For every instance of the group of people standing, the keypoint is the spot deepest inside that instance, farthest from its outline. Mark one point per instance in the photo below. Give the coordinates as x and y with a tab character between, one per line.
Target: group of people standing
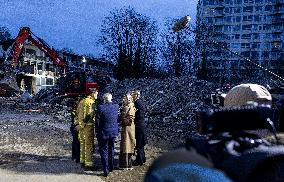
105	119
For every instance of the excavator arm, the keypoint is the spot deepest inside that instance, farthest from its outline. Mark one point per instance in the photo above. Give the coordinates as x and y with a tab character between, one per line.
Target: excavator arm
26	34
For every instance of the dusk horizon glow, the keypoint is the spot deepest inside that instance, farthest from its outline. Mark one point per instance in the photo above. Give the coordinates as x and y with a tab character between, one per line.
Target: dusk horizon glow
76	25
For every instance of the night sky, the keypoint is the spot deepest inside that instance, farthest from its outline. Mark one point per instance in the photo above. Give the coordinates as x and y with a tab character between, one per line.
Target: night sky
75	24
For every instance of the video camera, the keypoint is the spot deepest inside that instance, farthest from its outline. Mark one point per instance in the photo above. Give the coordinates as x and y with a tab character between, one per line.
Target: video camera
251	117
217	97
230	143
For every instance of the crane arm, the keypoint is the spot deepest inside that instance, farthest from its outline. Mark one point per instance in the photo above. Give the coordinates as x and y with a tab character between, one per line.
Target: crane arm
18	45
51	53
25	34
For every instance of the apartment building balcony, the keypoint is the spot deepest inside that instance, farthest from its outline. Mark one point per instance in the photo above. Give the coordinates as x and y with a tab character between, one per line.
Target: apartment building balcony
277	20
219	23
221	14
279	2
276	13
220	6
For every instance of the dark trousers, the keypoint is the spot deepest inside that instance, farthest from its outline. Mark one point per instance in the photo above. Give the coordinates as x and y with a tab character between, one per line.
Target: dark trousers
140	157
106	149
75	146
125	160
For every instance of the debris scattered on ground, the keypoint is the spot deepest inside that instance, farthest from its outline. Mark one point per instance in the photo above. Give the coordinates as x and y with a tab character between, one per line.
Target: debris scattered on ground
26	97
171	104
7	91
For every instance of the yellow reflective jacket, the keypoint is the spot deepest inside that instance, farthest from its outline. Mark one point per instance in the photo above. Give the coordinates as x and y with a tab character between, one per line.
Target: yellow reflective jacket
85	112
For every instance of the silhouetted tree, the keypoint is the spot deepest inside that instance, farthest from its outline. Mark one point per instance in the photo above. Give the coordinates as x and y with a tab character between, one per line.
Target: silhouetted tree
5	42
129	40
177	48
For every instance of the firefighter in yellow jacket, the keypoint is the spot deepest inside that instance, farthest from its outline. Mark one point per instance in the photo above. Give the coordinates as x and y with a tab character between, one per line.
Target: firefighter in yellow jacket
85	126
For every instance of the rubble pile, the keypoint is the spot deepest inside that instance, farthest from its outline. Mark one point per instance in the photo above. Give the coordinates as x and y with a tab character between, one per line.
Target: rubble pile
171	104
59	112
8	86
7	91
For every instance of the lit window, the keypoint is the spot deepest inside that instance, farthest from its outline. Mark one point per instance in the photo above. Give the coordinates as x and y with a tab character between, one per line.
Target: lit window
37	81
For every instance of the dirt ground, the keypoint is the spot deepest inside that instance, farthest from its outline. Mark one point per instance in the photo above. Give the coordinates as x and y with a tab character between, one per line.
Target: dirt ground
38	147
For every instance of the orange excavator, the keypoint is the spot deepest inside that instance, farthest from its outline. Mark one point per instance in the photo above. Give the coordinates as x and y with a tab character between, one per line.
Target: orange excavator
71	84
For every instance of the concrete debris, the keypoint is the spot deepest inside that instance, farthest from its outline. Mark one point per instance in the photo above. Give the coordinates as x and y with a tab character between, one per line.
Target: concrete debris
26	97
11	81
33	110
7	91
171	106
171	103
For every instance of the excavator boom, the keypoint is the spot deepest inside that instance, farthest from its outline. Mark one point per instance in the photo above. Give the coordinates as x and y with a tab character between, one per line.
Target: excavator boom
25	34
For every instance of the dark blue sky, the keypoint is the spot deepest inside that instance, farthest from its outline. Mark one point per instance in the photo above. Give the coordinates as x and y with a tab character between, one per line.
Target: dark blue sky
75	24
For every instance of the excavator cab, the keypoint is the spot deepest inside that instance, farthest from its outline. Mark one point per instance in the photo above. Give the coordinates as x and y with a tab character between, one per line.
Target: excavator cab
75	84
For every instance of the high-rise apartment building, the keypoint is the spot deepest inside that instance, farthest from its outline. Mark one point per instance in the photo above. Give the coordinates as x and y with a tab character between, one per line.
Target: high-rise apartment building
252	28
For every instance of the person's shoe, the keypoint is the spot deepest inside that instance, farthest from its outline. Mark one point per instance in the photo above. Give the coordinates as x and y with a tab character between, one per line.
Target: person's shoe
135	163
105	174
89	168
129	169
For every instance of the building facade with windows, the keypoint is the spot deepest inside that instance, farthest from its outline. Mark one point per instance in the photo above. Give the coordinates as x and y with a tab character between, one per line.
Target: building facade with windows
252	28
37	71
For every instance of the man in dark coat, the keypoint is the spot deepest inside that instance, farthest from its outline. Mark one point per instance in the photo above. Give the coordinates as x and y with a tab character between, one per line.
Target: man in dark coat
140	128
73	103
106	127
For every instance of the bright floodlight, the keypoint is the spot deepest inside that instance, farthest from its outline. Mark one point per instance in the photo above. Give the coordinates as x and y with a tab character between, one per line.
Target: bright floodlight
182	23
84	59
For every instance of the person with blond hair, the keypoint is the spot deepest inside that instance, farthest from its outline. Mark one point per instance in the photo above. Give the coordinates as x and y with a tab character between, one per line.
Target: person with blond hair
128	141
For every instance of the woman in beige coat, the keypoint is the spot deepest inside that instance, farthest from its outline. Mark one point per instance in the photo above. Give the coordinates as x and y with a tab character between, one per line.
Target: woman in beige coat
128	142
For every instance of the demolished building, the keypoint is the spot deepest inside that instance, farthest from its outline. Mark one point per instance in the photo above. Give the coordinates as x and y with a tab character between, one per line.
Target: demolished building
36	71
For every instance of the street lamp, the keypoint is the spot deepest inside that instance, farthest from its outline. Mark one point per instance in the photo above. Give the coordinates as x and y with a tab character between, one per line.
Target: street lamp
84	61
184	22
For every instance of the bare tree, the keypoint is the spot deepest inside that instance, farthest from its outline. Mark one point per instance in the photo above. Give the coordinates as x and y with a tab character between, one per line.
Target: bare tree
177	48
129	40
5	42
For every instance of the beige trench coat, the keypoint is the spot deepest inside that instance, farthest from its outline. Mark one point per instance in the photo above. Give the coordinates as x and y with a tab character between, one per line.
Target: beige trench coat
128	142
